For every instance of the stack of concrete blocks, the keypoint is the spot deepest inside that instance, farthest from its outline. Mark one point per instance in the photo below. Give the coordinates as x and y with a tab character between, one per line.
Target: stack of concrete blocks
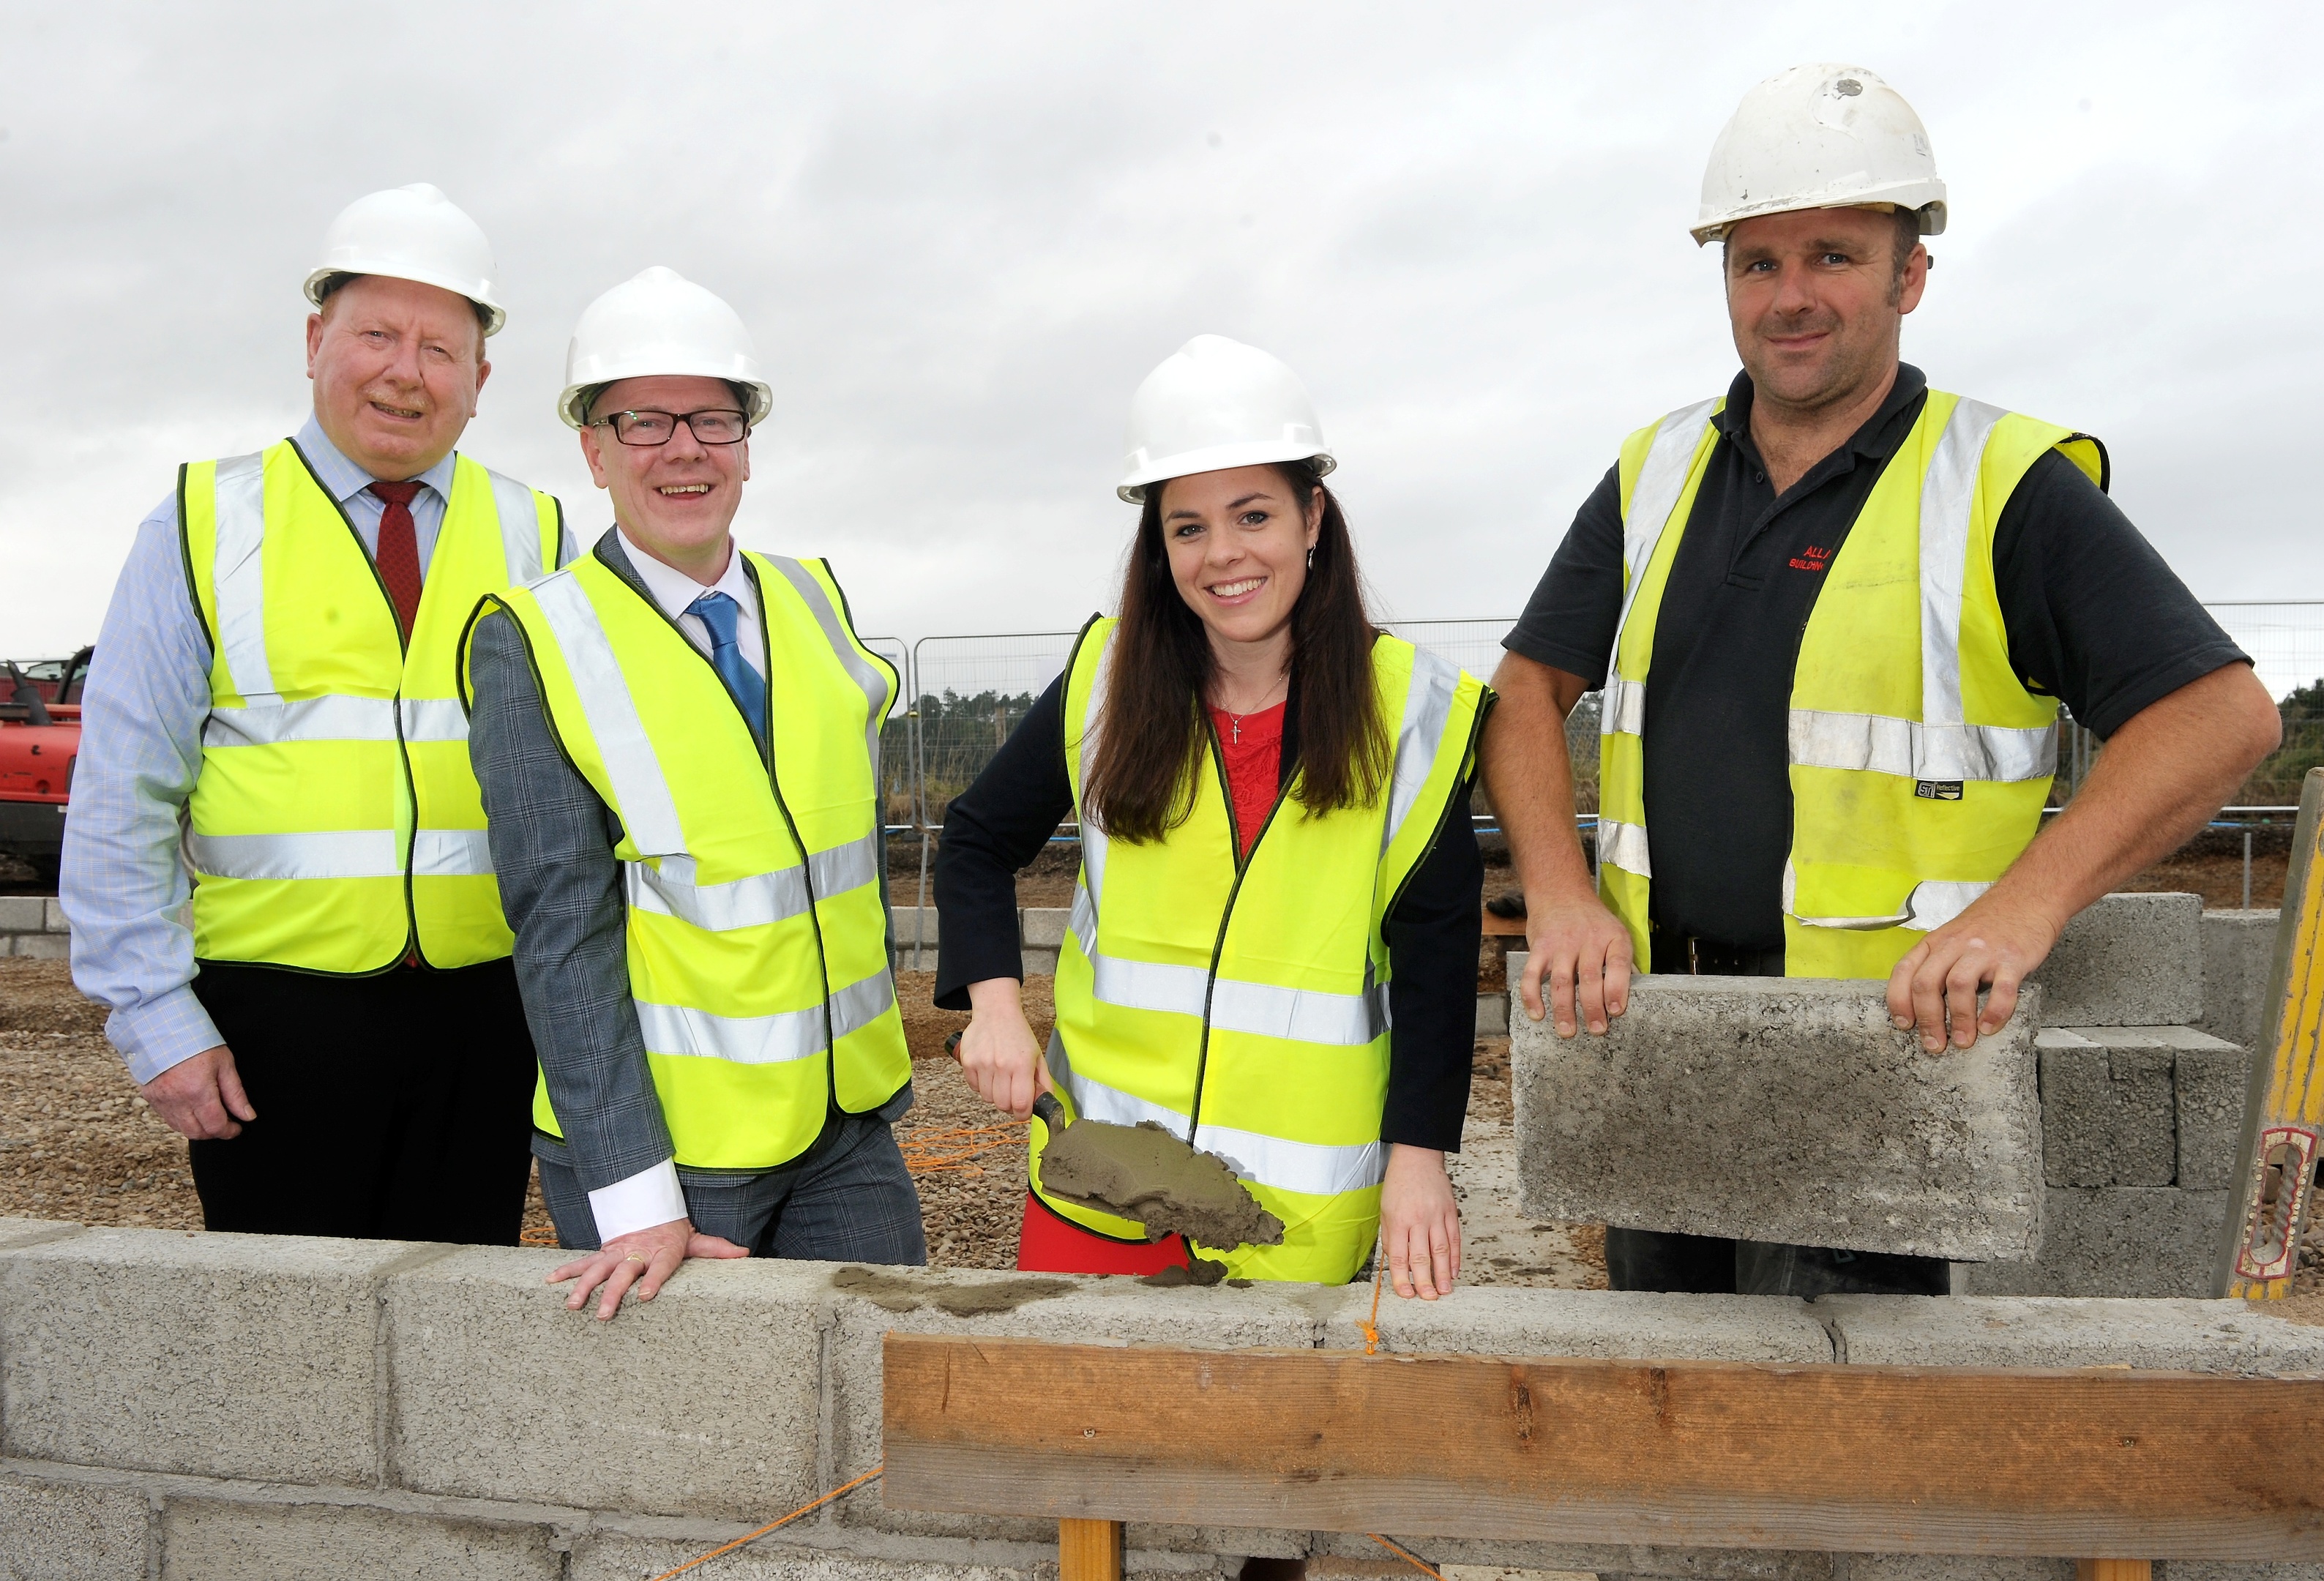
33	926
1040	933
196	1406
2141	1107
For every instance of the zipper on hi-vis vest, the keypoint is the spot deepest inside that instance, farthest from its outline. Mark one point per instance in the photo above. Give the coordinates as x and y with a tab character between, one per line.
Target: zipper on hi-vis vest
411	953
1218	945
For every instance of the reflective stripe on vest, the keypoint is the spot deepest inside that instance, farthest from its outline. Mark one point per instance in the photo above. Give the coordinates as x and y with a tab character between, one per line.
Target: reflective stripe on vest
1245	1001
756	928
1979	782
320	710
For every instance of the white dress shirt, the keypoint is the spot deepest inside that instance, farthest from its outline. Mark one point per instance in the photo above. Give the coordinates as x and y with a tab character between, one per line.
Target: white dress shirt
653	1196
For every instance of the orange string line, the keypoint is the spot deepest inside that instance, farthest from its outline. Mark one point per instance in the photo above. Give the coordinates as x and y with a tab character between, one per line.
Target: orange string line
1370	1325
803	1509
1409	1558
920	1157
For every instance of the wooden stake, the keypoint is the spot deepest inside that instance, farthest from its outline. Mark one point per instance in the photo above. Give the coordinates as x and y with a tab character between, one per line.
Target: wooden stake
2114	1570
1091	1550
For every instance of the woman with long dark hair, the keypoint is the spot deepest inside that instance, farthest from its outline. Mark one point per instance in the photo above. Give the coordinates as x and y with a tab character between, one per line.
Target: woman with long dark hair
1274	936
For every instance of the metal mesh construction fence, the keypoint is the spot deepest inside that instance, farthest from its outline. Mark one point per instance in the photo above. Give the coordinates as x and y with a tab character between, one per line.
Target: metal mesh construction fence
968	692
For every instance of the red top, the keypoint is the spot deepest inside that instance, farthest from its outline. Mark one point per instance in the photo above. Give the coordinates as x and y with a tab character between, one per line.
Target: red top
1253	746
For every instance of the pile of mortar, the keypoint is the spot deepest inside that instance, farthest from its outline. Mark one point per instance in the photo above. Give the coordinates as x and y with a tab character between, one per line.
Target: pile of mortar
1147	1174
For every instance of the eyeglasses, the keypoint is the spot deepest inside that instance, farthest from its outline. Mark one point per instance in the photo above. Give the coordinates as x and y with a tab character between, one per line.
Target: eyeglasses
720	427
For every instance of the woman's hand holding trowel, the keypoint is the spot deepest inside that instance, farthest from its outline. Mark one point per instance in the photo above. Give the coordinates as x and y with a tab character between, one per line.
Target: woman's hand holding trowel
999	1053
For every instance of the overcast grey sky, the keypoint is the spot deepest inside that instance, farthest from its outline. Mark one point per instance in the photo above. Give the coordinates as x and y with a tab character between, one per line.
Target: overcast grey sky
963	234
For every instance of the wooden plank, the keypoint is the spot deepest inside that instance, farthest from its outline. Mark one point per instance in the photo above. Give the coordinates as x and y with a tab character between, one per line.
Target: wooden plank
1707	1454
1504	927
2114	1570
2283	1108
1091	1550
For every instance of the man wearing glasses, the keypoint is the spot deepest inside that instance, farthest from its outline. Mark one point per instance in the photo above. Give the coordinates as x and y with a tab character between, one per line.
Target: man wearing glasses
678	744
335	1024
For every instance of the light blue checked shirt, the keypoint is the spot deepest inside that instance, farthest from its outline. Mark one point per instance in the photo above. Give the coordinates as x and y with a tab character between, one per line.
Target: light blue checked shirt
123	889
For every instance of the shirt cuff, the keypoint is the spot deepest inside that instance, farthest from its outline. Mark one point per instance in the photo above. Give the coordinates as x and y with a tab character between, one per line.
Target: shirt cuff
162	1033
647	1198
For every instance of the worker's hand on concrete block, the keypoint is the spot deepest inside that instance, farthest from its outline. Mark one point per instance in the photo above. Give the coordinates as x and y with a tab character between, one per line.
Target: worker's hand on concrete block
1420	1223
644	1258
1991	944
1578	959
999	1053
201	1097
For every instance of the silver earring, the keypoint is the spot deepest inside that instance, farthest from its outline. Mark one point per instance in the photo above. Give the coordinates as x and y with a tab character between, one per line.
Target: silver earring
1311	556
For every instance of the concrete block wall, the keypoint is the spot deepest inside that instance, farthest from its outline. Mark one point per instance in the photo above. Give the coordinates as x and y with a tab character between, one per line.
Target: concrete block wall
190	1405
33	926
1040	931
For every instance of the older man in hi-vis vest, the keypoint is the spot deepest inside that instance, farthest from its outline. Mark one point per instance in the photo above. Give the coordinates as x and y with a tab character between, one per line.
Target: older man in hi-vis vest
1833	615
679	748
338	1029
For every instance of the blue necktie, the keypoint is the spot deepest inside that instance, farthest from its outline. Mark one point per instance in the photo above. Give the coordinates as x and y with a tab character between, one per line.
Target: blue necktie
747	686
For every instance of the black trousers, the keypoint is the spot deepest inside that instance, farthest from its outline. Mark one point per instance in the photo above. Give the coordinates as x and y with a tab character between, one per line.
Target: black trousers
396	1107
1656	1259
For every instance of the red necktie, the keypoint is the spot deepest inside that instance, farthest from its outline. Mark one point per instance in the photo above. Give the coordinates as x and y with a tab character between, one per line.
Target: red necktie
399	550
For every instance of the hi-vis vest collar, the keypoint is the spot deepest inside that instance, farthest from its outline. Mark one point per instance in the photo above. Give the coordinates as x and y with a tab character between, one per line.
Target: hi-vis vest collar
2001	751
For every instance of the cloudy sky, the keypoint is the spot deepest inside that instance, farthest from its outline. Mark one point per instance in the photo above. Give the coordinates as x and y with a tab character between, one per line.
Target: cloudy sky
963	234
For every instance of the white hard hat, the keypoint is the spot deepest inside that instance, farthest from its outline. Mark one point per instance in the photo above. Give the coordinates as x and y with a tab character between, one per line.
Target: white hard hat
1216	403
659	322
1819	136
411	232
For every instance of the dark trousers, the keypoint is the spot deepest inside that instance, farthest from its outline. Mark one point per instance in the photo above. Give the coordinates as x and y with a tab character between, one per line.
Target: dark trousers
1656	1259
395	1107
849	1199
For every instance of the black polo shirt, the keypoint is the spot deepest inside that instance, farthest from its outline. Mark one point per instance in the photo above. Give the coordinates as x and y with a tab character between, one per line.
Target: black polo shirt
2095	618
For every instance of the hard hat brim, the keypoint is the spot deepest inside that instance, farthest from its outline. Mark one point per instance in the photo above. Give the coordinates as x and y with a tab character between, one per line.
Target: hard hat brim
1221	458
1925	199
495	316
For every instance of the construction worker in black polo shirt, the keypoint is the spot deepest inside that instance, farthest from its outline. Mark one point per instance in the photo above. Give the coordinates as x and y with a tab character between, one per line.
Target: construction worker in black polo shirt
1833	616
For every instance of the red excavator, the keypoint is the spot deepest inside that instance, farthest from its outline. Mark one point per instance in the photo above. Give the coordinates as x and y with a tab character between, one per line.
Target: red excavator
40	739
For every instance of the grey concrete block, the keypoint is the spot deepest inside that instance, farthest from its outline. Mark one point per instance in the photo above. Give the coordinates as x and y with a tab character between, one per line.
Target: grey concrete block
2210	1085
2129	960
1818	1122
2225	1570
1956	1567
1510	1320
215	1541
2107	1117
22	913
43	947
2238	957
924	917
16	1232
52	917
63	1529
2116	1241
1973	1331
703	1401
620	1557
210	1354
1492	1015
1118	1310
1040	963
1042	927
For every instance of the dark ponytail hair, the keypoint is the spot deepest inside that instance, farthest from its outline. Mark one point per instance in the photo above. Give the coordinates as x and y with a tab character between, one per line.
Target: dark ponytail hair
1150	746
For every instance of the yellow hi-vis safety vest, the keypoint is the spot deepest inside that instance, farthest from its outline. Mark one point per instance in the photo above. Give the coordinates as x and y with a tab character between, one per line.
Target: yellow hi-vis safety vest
1243	1004
1920	762
337	826
757	932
